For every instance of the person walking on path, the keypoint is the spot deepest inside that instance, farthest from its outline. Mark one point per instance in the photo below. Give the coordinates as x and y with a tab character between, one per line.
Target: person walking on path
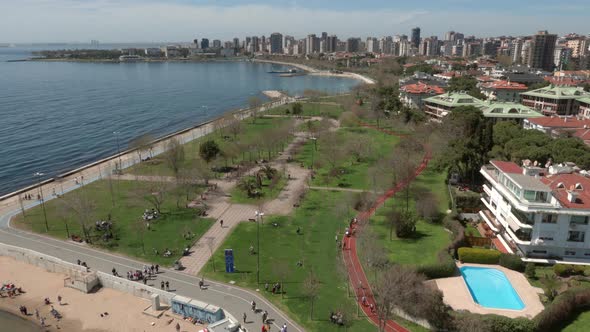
177	327
201	283
221	223
59	299
264	316
244	317
253	306
157	268
162	285
167	286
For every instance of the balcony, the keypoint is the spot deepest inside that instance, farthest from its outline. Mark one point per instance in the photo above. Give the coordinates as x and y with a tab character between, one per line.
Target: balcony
487	190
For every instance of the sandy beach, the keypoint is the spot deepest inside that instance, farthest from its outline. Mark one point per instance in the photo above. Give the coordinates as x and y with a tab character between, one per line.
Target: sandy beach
81	312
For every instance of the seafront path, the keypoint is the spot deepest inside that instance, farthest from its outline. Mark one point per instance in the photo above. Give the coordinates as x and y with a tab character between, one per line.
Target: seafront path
234	300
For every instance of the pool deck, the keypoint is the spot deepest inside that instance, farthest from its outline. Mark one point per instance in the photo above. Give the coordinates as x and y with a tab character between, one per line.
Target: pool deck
456	294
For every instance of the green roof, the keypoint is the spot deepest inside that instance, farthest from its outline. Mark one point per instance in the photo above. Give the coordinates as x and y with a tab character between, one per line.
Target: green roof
508	110
558	92
585	100
454	99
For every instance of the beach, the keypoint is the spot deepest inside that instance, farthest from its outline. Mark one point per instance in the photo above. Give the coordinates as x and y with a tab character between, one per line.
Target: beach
81	312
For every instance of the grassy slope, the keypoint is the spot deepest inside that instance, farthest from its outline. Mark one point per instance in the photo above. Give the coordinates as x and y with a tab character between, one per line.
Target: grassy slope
166	232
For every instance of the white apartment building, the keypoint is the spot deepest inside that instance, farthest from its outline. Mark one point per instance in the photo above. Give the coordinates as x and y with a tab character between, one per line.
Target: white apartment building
538	212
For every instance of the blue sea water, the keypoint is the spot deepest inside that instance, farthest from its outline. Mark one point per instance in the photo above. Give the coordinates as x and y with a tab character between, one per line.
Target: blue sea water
491	288
56	116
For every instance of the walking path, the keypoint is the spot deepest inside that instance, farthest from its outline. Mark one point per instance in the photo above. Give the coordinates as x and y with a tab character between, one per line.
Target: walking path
356	273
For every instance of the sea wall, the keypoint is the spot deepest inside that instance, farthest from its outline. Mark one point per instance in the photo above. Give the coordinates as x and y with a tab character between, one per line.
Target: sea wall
134	288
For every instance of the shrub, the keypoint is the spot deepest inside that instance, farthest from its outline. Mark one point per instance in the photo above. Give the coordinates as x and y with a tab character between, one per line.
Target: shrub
530	270
505	324
480	256
451	223
445	267
512	262
566	270
563	308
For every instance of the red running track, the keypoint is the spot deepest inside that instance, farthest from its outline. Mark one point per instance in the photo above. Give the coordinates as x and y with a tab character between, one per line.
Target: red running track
356	273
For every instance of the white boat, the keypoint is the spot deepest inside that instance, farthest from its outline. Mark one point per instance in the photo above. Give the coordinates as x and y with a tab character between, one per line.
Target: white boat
130	58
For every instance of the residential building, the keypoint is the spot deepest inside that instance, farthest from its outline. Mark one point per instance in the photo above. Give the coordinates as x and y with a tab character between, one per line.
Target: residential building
204	43
584	109
276	43
554	100
503	90
312	44
153	52
561	56
538	212
579	46
372	45
386	45
412	95
331	43
554	125
542	51
437	107
507	111
216	43
353	45
415	40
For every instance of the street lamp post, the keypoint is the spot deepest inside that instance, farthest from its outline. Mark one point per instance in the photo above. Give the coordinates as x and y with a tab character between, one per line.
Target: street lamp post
259	215
118	150
38	175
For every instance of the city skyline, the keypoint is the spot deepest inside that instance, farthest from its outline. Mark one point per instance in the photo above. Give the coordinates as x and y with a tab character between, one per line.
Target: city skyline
135	21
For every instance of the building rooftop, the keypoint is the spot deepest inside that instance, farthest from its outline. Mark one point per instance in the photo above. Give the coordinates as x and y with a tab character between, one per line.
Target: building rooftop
454	99
557	92
507	110
560	122
584	100
583	134
504	85
528	182
506	166
562	183
422	88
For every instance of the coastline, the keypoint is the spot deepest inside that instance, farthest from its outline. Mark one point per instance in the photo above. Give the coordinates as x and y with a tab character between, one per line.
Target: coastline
317	72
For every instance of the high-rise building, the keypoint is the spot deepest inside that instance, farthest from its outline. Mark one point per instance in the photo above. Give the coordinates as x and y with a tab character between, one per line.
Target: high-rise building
204	43
542	51
415	37
372	45
450	36
562	56
216	43
331	43
196	42
312	44
236	43
276	43
353	45
324	36
516	50
386	45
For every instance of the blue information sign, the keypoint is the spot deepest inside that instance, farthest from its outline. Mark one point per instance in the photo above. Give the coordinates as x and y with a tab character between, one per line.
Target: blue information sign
229	260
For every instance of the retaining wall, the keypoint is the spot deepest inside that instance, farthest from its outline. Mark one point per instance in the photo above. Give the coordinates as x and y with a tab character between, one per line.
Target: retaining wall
134	288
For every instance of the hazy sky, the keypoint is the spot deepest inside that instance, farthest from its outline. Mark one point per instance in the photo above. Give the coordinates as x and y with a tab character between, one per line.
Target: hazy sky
184	20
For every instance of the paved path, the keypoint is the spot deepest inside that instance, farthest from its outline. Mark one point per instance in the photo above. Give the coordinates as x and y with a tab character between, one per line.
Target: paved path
356	273
339	189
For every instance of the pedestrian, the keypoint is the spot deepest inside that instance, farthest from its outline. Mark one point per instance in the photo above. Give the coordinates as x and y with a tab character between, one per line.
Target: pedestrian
372	307
336	238
114	272
157	268
37	313
264	317
285	327
253	306
79	262
177	327
221	223
364	300
25	311
162	285
42	319
152	268
201	283
59	299
266	286
167	285
244	318
145	280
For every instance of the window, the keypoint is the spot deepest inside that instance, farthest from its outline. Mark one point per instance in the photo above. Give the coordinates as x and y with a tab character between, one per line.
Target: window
540	251
579	220
546	238
570	253
549	219
575	236
529	195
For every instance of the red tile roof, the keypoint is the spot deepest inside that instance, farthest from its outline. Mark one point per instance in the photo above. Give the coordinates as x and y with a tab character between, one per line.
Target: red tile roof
505	85
557	122
569	181
507	166
485	78
583	134
565	81
422	88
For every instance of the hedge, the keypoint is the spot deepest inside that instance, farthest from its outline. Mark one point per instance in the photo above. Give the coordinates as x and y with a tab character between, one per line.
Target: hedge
445	267
512	262
563	309
480	256
566	270
451	223
469	322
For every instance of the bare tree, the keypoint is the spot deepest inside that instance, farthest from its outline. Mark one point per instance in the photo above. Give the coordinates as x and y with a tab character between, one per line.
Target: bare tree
154	192
174	156
282	270
387	290
373	253
139	226
255	103
332	151
142	143
83	209
235	126
311	288
426	205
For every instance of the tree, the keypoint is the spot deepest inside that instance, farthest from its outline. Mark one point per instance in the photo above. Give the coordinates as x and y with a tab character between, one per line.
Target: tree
373	252
209	150
530	270
426	205
174	156
235	126
467	84
154	192
311	288
140	227
255	103
142	143
551	286
332	151
282	270
83	209
404	223
297	109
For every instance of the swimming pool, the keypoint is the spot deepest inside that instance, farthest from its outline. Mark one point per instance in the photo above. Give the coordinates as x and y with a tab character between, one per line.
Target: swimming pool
491	288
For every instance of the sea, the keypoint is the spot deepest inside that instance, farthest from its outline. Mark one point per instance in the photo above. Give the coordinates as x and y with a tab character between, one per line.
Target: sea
57	116
10	322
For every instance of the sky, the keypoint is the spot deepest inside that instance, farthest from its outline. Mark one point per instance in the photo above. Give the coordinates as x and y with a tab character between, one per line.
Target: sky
28	21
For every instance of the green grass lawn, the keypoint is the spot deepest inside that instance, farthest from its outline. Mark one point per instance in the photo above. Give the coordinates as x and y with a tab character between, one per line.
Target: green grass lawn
252	134
430	238
579	324
166	232
310	109
355	173
281	248
240	196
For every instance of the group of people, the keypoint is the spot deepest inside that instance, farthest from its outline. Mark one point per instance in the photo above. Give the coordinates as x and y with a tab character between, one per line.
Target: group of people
150	215
265	325
276	288
10	289
79	262
29	197
337	318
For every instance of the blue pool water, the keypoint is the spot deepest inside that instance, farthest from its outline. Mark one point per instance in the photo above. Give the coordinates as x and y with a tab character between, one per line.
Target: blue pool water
490	288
